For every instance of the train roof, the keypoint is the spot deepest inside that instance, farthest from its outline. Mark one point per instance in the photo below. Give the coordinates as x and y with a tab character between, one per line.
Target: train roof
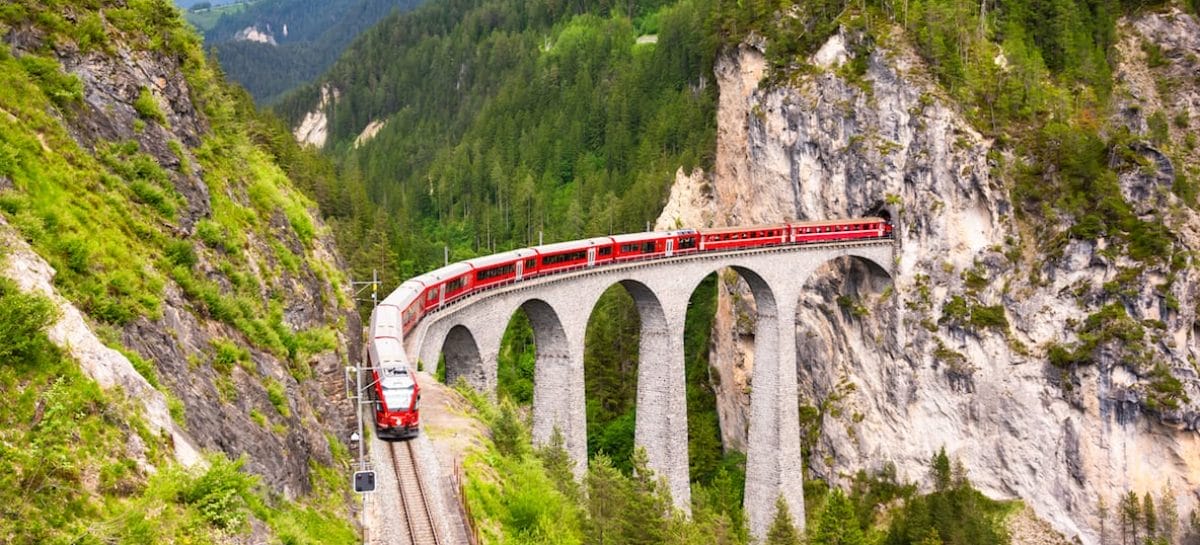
500	259
635	237
445	273
741	229
387	351
385	322
572	245
846	221
403	295
764	227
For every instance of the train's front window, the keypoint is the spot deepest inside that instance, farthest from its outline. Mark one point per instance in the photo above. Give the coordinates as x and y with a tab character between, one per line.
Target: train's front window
398	388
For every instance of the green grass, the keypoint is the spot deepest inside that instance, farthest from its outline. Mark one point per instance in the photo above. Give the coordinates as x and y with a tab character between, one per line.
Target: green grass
147	107
66	475
278	398
206	20
108	220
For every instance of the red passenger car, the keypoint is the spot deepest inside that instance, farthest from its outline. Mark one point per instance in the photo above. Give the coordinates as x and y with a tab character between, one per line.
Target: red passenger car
840	230
444	285
577	253
741	237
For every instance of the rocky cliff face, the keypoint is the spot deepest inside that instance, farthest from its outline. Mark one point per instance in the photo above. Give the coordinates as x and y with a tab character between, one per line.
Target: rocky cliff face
894	364
261	251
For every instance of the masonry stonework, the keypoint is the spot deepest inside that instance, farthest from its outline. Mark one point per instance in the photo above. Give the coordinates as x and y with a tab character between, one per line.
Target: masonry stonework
468	334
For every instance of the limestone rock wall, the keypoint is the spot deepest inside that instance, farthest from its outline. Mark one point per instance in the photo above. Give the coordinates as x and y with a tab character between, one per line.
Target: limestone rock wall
885	379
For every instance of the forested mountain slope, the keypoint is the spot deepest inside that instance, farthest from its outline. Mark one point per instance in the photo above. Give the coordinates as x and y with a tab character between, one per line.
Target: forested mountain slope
273	46
506	119
168	299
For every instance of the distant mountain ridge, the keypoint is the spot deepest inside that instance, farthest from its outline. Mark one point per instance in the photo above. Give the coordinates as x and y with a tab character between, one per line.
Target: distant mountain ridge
273	46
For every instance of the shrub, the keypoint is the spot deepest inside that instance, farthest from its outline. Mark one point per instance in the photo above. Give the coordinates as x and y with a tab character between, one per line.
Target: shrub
1157	124
1164	391
212	235
143	367
147	107
278	397
989	316
954	311
227	354
23	317
154	196
220	493
181	254
62	89
1062	357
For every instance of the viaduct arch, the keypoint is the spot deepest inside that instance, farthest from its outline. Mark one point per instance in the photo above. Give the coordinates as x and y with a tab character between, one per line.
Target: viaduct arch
468	333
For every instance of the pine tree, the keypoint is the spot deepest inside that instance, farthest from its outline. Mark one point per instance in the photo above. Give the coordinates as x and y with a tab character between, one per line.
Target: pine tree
932	538
1131	516
838	524
649	504
508	432
1168	517
942	477
607	501
782	532
1149	518
559	465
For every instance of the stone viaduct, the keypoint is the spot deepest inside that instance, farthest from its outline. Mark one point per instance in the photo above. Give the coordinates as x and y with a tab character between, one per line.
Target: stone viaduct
468	334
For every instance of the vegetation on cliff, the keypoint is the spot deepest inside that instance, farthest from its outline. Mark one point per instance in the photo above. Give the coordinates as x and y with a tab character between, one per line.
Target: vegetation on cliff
150	184
79	465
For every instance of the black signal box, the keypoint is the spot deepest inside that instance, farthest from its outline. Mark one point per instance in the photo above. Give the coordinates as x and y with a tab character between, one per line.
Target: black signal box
364	481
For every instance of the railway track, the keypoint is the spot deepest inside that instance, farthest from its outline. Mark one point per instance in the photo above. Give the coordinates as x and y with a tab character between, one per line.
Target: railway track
422	529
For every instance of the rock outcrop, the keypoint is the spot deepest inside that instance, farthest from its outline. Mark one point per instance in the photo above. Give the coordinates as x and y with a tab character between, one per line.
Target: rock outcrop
313	130
139	99
886	377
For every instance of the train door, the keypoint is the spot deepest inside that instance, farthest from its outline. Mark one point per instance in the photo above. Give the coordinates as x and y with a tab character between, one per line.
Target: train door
442	295
591	257
520	269
670	247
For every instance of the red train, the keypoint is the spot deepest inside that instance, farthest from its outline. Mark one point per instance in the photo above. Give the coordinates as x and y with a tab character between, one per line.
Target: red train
395	389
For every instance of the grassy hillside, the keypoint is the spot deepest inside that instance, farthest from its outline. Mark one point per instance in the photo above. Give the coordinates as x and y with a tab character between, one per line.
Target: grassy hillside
145	201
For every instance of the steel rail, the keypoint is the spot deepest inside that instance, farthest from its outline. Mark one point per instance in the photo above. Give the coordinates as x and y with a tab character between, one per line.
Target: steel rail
421	527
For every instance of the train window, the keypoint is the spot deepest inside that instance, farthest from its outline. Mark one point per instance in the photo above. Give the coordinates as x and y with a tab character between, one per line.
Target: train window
456	284
687	242
433	294
630	248
607	250
530	263
648	247
560	258
494	272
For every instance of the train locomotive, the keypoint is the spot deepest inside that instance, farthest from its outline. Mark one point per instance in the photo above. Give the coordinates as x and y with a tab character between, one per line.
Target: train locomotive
394	387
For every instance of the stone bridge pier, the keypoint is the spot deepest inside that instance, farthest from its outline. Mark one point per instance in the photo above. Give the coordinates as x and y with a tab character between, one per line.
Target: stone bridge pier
468	335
